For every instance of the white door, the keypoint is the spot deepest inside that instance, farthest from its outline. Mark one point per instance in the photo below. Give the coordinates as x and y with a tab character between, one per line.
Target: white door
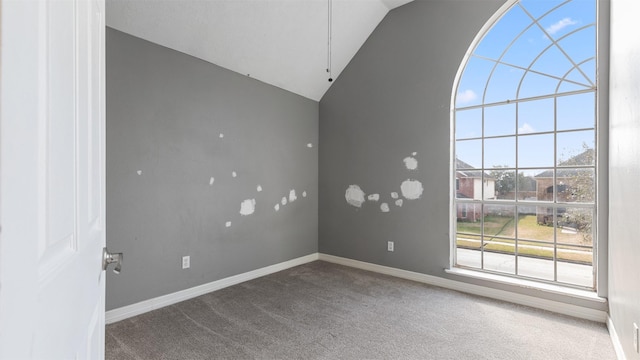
52	179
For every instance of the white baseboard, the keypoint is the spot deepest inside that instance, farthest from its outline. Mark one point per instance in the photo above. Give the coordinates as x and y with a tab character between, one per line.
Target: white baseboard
532	301
142	307
617	345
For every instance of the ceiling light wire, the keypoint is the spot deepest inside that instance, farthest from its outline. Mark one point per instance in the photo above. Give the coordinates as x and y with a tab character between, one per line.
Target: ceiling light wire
329	35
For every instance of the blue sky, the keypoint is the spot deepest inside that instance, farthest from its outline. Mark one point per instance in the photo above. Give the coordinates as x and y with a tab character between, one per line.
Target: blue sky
566	66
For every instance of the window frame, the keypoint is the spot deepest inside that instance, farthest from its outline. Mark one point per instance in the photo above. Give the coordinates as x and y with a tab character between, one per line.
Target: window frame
600	211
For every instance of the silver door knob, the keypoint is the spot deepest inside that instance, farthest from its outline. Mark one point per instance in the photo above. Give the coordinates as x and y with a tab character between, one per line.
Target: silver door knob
111	258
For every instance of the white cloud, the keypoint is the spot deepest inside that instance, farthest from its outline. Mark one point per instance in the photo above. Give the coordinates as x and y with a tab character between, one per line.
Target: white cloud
554	28
466	96
525	129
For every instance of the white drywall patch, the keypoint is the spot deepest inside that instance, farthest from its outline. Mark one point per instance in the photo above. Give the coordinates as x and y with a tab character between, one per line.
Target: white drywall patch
384	207
259	188
211	180
221	135
411	189
277	207
247	207
304	194
228	224
292	196
284	200
411	163
414	153
354	196
373	197
139	172
394	195
234	174
399	202
309	145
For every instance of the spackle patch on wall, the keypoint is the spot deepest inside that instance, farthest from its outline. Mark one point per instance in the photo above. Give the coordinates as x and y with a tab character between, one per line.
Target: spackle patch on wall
410	163
277	207
373	197
292	196
259	188
211	180
354	196
309	145
384	207
399	202
228	224
304	194
221	135
284	200
234	174
411	189
248	207
394	195
139	172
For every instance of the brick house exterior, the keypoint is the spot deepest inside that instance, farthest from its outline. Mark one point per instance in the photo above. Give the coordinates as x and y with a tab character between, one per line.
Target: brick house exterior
469	185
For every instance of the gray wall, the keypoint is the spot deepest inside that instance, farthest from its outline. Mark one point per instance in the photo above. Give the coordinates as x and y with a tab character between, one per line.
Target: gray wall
165	111
393	99
624	163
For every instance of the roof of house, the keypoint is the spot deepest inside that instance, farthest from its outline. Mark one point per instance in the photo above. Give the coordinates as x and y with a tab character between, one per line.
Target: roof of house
469	171
584	158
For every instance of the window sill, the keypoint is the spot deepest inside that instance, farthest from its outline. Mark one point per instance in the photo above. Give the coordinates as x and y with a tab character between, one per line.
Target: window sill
528	284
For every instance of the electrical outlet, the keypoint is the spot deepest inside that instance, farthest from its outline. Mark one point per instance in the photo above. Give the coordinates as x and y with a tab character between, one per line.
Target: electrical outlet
635	337
186	262
389	245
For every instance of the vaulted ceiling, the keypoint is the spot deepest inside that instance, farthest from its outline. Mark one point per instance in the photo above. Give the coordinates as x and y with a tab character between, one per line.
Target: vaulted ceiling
279	42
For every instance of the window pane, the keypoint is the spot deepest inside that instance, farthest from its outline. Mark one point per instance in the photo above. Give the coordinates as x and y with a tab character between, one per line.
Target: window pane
468	221
527	185
535	266
500	120
552	62
576	185
575	273
578	223
535	223
503	84
576	111
468	123
504	183
500	261
468	257
535	150
498	152
499	221
537	85
580	45
502	33
544	185
576	148
569	17
469	153
473	82
527	47
535	116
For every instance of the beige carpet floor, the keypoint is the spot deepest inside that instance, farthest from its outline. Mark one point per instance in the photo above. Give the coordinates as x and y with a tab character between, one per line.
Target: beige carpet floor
327	311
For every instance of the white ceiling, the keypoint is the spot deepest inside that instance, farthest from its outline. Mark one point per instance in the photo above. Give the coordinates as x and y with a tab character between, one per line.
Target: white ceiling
279	42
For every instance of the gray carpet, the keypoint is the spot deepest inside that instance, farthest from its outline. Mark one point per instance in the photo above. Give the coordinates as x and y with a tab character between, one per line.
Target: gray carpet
327	311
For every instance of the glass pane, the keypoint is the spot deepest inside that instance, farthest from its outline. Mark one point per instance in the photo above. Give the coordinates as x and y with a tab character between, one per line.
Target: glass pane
500	120
503	84
535	150
468	257
577	225
499	152
535	116
468	123
576	111
531	43
569	17
502	33
499	221
535	223
576	185
553	62
504	183
544	185
527	185
576	273
576	148
578	77
500	261
580	45
469	154
538	8
473	82
468	221
533	265
537	85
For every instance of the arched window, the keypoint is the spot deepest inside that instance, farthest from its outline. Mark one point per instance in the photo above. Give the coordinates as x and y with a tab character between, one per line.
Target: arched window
524	120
